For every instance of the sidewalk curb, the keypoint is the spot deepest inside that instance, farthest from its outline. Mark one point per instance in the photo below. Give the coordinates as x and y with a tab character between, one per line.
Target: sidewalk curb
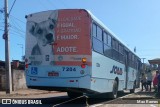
136	98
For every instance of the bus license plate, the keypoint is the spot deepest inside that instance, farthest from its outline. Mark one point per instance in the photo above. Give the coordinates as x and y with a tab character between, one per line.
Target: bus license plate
53	74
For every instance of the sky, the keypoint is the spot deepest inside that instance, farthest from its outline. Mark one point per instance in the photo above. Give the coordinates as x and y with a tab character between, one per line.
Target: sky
135	22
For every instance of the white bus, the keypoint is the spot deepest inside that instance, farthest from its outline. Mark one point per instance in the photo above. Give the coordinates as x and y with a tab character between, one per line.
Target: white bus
71	50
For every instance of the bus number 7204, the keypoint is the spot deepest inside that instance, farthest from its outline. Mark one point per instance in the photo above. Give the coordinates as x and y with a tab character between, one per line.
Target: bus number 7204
68	69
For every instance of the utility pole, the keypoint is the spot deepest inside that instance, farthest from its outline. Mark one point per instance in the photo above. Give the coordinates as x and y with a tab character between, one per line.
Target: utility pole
7	50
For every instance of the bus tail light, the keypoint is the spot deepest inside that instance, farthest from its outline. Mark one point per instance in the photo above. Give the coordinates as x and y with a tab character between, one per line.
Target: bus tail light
83	66
84	60
26	65
71	80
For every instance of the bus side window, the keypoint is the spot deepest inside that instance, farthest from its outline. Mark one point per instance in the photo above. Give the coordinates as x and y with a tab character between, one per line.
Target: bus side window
99	33
135	62
105	38
109	42
94	30
97	39
121	53
107	45
130	59
115	49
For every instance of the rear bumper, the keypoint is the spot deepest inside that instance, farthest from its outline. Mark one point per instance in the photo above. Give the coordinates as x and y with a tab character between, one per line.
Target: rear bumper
59	84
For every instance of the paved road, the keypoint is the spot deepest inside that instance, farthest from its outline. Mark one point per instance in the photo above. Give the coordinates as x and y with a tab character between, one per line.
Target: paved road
57	99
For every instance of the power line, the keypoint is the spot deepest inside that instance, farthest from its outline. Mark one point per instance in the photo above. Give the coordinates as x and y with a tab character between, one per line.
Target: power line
18	19
11	7
13	27
19	28
15	33
15	30
1	30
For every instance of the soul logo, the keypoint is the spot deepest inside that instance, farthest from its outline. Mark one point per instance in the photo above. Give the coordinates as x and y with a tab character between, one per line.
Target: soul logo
116	70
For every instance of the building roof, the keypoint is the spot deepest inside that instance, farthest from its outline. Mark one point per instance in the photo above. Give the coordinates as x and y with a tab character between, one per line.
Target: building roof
154	61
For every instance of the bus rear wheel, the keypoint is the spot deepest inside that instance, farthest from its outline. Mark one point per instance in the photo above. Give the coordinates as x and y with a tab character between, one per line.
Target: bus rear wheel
114	90
74	94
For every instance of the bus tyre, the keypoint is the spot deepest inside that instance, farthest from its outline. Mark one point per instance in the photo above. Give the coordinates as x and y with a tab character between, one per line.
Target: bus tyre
114	90
134	87
74	94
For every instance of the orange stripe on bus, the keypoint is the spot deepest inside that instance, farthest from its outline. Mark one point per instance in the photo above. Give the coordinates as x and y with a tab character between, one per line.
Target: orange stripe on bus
71	63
